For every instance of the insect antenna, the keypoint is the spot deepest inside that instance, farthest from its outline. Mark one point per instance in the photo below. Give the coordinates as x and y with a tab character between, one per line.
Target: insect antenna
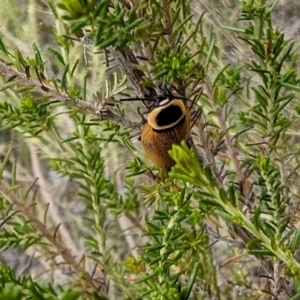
145	101
135	99
175	97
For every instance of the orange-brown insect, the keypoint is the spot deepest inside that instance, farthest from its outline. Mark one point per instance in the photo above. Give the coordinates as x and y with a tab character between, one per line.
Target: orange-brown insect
168	123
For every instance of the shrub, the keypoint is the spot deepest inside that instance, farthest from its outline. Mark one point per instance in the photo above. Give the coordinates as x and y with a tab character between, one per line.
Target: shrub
87	211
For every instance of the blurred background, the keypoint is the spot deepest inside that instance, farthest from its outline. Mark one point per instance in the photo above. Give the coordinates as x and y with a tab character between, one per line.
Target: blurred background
25	22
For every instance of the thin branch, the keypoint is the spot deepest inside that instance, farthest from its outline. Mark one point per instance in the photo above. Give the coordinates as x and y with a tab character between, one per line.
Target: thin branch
50	202
230	147
101	111
128	63
40	227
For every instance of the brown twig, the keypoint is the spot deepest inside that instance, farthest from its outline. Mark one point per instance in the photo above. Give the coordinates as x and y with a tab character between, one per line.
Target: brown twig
128	63
41	228
101	111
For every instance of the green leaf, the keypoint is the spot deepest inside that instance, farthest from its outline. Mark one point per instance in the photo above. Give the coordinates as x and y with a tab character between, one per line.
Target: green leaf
296	297
295	241
71	295
3	48
209	54
261	252
57	55
186	291
64	76
224	215
38	57
187	166
4	163
8	85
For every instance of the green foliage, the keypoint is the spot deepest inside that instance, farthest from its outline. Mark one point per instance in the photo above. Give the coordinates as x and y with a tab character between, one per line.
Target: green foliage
173	63
35	118
172	245
102	222
13	287
125	25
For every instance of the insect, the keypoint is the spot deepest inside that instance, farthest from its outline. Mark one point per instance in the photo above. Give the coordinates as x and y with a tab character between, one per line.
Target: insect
168	123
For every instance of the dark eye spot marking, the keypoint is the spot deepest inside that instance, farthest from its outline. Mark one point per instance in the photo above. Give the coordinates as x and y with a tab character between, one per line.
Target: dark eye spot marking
169	115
